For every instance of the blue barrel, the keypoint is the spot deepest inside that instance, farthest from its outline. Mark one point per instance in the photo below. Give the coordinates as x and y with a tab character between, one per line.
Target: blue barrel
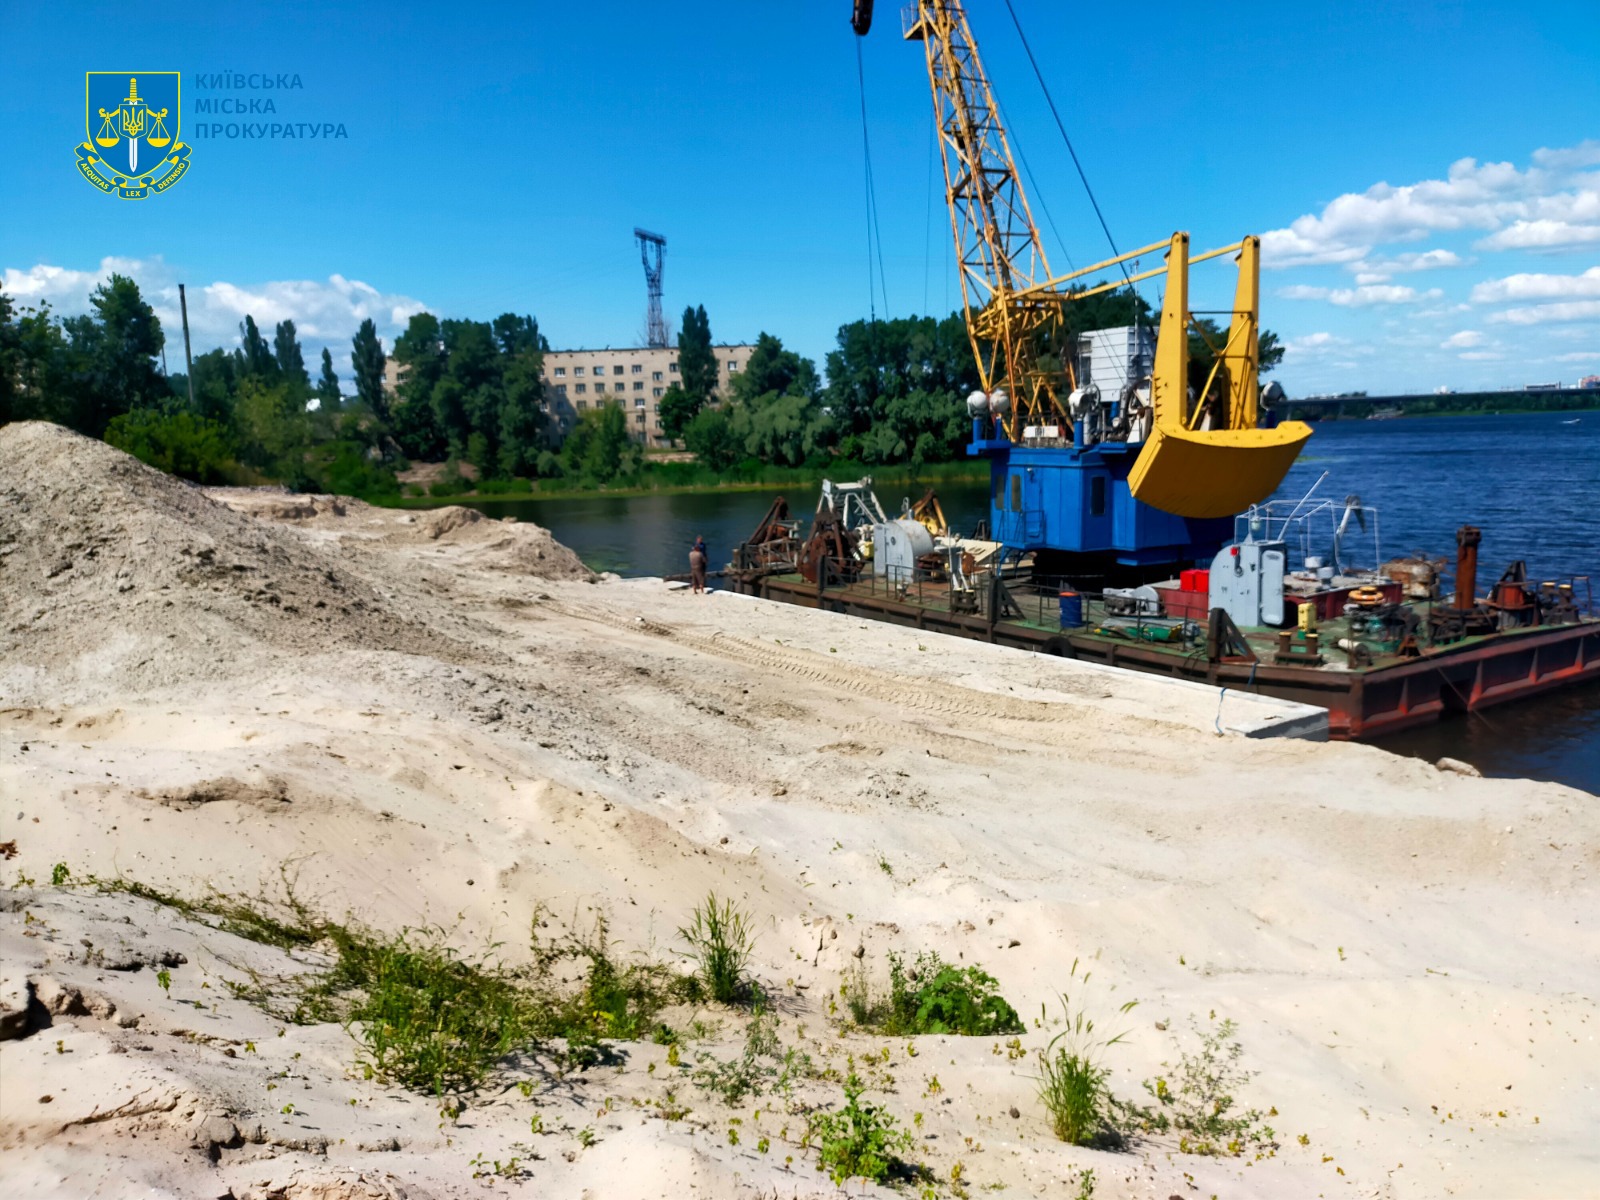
1071	610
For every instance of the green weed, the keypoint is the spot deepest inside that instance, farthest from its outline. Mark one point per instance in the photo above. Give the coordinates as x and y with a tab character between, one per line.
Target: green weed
859	1140
764	1065
721	940
1198	1100
59	875
929	996
1072	1081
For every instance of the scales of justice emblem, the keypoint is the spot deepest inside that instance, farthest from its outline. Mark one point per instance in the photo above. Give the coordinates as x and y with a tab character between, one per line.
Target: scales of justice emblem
132	120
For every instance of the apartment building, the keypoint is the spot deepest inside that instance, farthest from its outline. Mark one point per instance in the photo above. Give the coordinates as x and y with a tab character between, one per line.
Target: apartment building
636	377
579	381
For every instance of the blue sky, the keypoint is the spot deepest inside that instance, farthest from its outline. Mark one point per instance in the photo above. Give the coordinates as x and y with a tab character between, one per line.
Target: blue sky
1426	175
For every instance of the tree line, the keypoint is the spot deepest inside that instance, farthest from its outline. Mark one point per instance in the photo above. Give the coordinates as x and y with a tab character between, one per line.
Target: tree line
471	394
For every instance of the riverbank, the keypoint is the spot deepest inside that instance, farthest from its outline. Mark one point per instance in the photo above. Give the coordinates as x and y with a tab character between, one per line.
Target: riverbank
767	480
423	727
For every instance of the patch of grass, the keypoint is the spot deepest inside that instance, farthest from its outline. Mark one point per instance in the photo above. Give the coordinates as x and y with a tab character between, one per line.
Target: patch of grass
1072	1080
859	1141
1198	1100
429	1018
763	1065
721	940
929	995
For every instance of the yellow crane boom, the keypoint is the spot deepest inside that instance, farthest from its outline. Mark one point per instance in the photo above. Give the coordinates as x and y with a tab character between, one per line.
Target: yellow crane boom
1205	454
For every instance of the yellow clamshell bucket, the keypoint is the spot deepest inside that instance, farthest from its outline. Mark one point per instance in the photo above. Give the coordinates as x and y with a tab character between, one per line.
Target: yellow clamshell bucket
1207	458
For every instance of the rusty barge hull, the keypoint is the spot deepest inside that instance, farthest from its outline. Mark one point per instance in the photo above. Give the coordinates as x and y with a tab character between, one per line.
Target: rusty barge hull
1466	676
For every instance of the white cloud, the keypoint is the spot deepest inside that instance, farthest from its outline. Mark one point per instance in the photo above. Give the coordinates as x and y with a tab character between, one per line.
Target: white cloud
1482	355
1311	342
1359	297
1540	314
325	312
1464	340
1584	154
1543	234
1578	356
1472	196
1538	287
1382	269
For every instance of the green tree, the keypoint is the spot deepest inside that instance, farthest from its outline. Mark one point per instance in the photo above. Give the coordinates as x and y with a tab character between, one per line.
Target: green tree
10	359
47	374
255	355
711	438
419	351
178	443
895	386
290	360
598	450
523	432
273	428
771	368
216	385
368	362
676	409
119	344
779	428
328	396
697	363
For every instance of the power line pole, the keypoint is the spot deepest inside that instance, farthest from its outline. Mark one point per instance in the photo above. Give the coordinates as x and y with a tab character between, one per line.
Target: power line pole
188	361
652	250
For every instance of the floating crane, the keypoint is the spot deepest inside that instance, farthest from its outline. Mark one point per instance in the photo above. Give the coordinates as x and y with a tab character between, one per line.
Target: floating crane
1146	477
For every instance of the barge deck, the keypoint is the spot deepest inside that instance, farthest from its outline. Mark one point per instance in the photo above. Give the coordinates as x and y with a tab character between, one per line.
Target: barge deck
1389	693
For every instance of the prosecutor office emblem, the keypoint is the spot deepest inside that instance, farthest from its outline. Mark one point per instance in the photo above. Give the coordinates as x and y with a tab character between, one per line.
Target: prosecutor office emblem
131	118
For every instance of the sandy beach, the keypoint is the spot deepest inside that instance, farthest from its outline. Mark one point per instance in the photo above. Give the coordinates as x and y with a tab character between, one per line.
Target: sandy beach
432	719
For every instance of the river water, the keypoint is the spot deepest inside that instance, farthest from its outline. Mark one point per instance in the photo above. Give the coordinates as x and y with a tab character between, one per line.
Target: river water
1530	481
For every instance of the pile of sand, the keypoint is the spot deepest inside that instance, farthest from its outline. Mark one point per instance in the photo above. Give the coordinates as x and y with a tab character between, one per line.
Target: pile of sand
116	571
516	547
1410	955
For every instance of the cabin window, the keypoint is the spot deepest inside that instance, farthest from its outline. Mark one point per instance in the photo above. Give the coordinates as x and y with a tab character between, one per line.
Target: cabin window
1097	496
1016	493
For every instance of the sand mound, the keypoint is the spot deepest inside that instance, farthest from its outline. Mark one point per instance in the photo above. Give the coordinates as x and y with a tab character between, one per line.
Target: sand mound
115	565
472	539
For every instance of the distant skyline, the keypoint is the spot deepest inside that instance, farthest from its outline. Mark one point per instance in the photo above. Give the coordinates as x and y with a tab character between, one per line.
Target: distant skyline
1426	177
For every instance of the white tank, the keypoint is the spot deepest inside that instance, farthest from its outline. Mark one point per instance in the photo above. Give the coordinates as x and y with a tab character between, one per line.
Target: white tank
977	405
896	546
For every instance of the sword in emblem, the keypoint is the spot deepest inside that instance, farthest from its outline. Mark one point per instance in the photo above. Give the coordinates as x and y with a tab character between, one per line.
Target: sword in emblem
132	125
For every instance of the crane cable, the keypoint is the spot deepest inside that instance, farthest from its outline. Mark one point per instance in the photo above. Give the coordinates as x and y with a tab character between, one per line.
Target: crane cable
1054	112
874	233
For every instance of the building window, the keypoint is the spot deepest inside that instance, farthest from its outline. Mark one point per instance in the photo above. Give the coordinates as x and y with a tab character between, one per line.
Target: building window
599	387
638	369
600	370
655	376
617	369
656	392
561	372
733	366
582	404
640	418
673	366
581	388
578	371
638	385
561	390
638	401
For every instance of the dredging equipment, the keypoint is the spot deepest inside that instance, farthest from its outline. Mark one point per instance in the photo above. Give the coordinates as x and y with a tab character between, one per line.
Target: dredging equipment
1139	467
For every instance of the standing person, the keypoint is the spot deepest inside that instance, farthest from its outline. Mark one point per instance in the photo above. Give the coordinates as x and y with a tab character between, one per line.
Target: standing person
697	565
